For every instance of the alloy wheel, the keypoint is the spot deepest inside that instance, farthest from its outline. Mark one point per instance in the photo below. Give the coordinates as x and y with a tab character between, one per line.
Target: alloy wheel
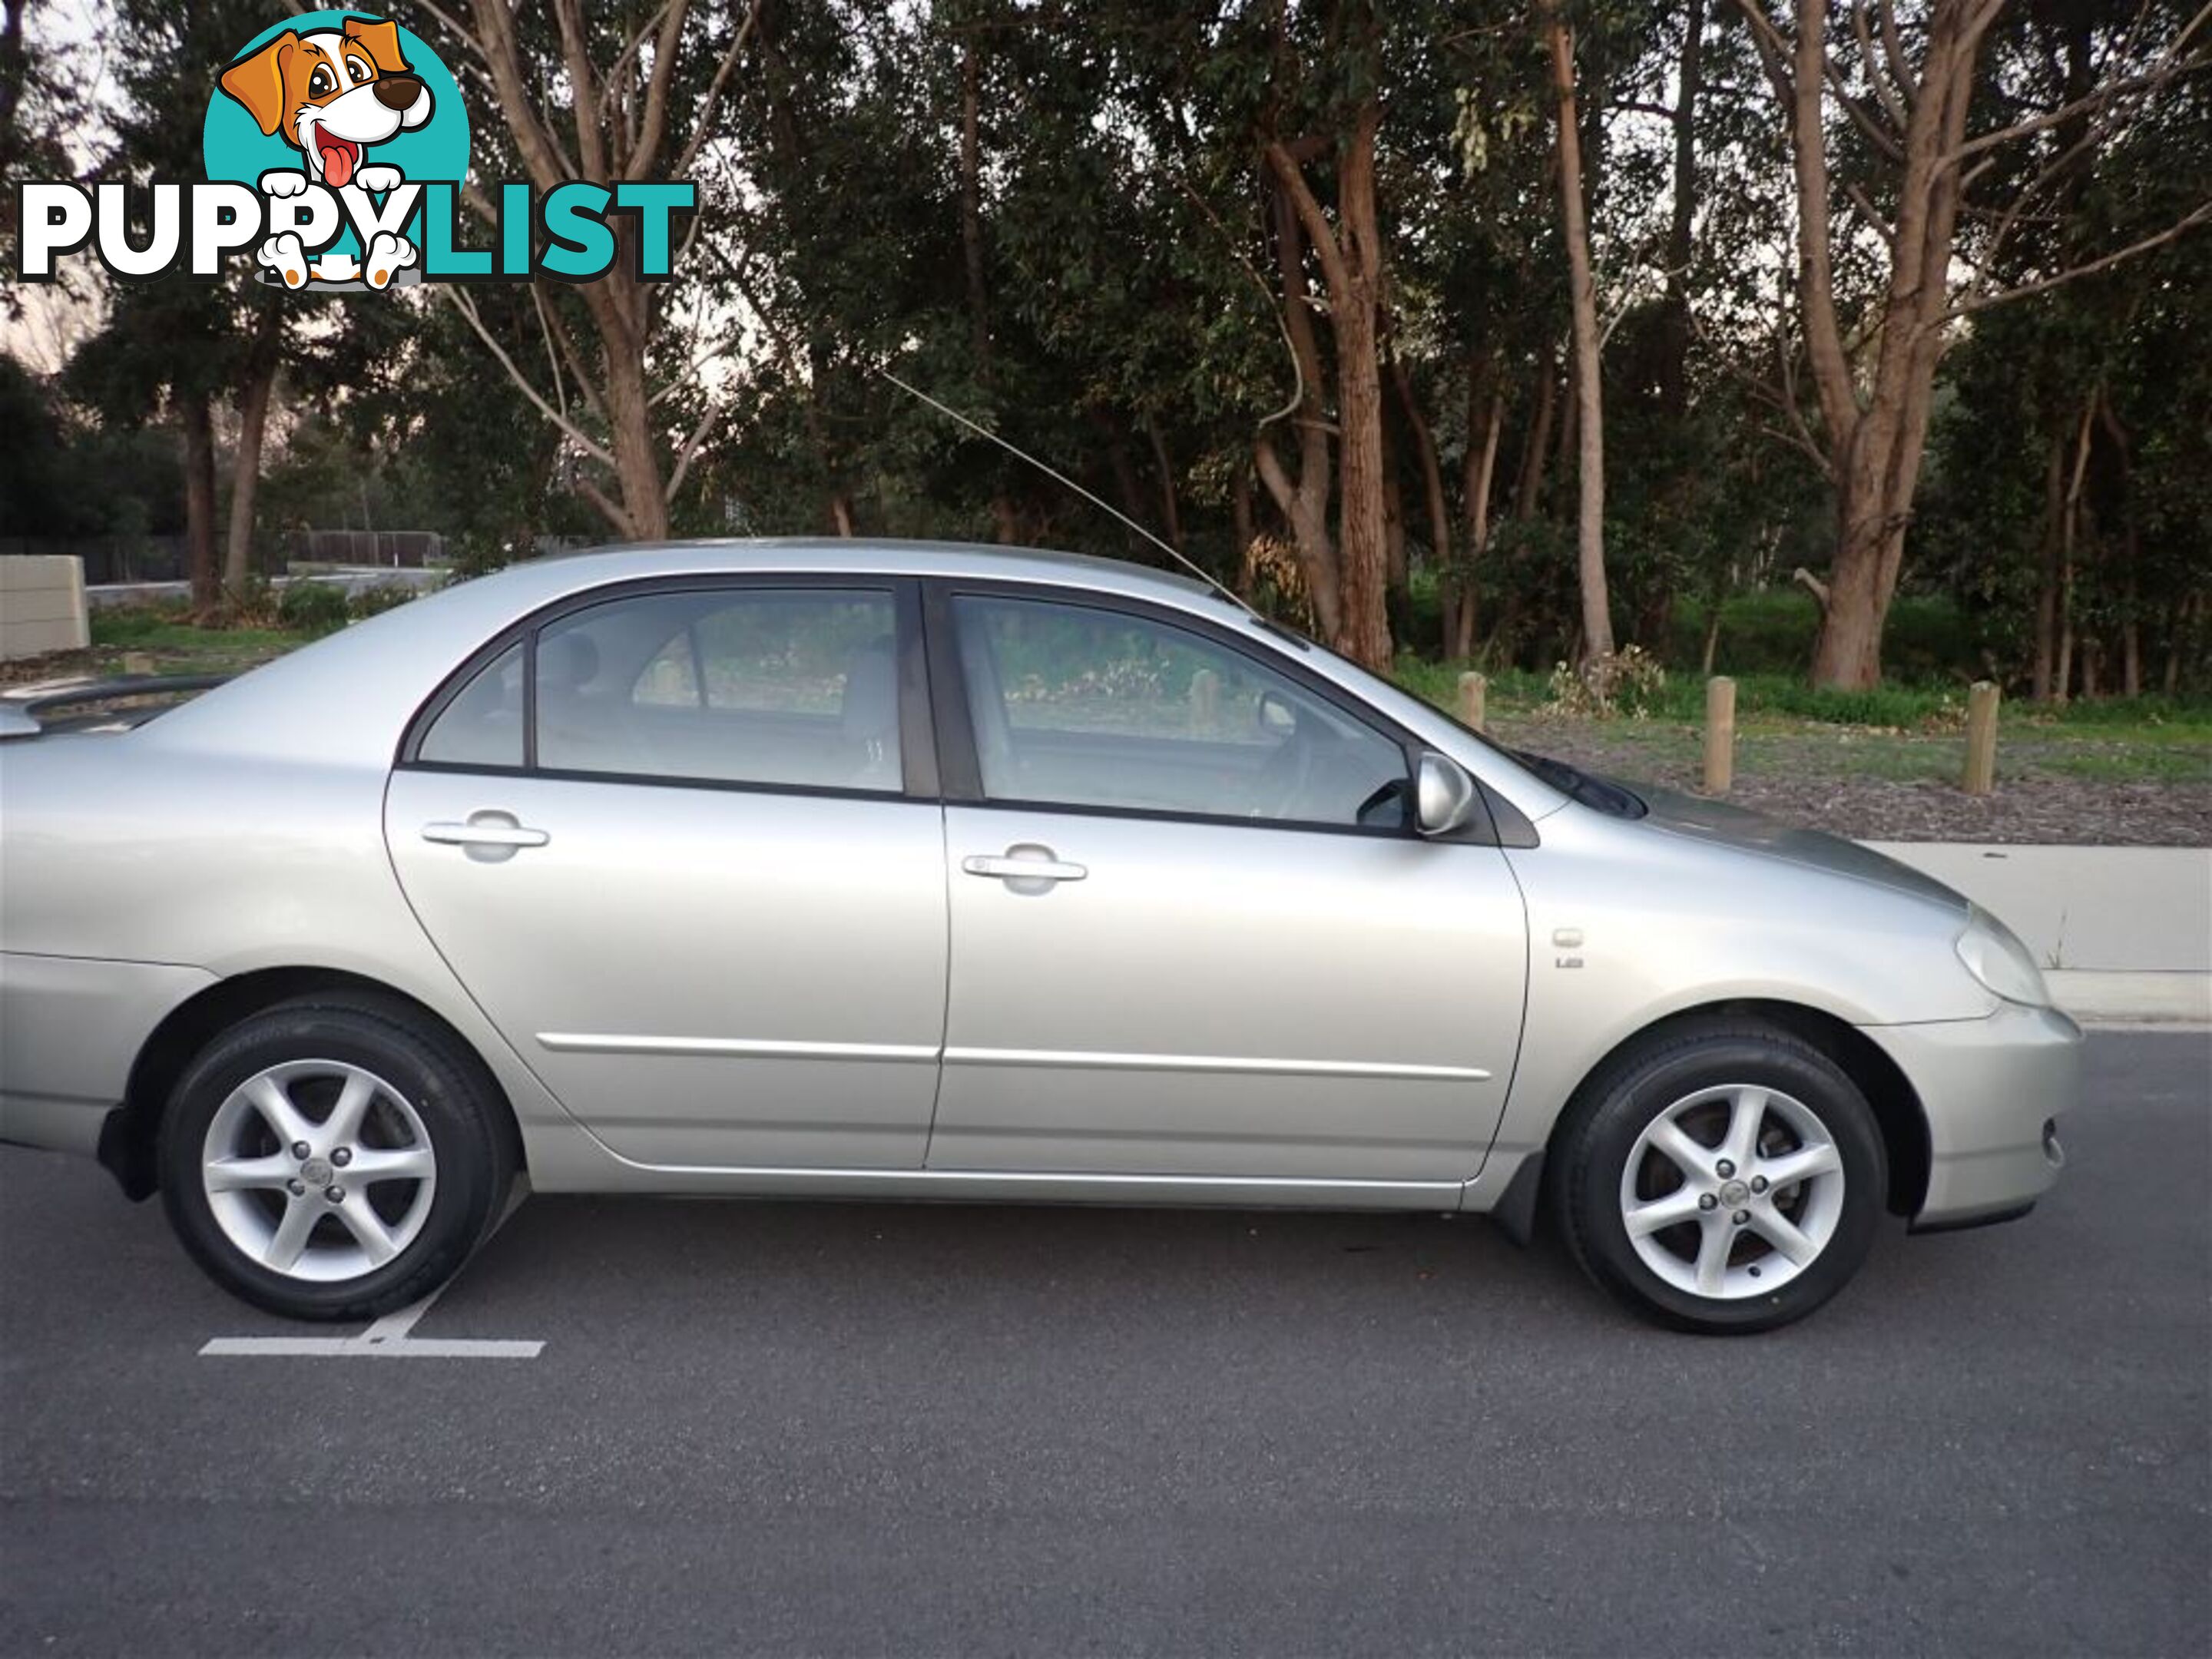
318	1169
1732	1192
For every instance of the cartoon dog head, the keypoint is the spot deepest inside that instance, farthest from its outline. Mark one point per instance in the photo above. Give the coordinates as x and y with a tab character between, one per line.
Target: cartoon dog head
331	93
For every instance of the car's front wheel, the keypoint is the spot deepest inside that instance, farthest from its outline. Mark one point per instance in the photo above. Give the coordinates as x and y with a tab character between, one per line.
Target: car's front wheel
1725	1178
330	1159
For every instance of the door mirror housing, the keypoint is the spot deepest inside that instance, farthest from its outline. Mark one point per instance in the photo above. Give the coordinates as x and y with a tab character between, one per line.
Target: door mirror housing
1445	795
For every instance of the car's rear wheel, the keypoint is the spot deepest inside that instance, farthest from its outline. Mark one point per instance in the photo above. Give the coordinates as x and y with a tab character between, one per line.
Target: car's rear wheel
331	1159
1723	1178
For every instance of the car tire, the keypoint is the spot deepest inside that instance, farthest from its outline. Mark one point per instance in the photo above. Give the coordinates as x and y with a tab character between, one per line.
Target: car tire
334	1157
1659	1214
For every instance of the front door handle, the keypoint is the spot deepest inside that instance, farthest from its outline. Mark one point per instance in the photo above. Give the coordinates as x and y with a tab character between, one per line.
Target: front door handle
487	835
1026	861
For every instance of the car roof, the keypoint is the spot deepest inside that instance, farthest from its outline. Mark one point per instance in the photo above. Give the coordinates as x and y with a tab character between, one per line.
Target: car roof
870	555
344	700
379	670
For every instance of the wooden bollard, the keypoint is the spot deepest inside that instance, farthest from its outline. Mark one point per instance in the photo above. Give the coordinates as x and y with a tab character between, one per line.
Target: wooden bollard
1205	701
1981	738
1473	691
1720	734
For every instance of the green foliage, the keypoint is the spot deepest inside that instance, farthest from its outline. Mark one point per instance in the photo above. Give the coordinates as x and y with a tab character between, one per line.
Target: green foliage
314	608
1111	302
1930	637
377	598
1629	680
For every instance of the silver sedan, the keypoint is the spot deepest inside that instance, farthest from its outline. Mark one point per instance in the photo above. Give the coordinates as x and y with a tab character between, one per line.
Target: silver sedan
887	871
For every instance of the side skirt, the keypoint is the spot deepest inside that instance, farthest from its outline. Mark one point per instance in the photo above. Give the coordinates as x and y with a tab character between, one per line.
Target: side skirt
996	1186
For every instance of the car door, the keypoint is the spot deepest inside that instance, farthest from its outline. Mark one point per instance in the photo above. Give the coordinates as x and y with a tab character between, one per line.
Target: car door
684	846
1193	934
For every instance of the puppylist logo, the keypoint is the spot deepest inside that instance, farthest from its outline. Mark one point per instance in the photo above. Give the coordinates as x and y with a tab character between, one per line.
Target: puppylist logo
336	145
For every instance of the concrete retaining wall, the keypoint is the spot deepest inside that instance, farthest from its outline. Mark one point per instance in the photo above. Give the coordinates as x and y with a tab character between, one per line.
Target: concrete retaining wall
41	606
2136	909
2124	934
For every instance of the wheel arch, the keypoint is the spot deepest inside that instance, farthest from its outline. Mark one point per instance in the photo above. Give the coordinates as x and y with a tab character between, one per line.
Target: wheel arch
129	1137
1898	1108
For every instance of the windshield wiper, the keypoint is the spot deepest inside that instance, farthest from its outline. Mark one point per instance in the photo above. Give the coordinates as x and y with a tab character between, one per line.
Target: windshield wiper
1601	794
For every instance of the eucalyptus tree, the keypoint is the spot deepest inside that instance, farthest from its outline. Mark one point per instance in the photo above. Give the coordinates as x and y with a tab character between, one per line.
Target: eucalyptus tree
604	94
1904	124
2074	454
175	344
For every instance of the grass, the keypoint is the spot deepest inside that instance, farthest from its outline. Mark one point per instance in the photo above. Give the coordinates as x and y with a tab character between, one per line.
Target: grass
1902	732
176	647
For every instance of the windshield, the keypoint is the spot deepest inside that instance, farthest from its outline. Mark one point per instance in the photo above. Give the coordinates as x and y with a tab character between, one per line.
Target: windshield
1601	794
1391	699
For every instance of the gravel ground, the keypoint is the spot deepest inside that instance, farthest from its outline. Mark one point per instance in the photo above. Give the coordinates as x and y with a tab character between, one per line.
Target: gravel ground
1808	779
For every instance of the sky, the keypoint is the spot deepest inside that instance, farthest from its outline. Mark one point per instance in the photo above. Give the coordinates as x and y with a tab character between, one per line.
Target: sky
55	316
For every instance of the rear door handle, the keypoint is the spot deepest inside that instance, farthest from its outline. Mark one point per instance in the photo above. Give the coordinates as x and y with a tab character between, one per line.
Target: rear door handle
1040	865
494	833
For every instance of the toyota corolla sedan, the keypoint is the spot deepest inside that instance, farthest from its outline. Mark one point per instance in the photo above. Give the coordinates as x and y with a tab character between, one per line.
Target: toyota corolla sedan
889	870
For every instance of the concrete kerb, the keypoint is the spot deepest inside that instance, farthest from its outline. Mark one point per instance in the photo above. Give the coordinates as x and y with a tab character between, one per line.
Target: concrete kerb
2124	934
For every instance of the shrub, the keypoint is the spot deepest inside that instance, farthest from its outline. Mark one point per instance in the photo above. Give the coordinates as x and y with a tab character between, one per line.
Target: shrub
312	608
252	604
380	598
1630	681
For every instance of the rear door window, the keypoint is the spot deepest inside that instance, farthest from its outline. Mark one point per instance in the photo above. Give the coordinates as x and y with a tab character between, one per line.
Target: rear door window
761	686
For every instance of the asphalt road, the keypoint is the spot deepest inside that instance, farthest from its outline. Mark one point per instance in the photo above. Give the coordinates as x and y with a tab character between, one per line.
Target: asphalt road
863	1429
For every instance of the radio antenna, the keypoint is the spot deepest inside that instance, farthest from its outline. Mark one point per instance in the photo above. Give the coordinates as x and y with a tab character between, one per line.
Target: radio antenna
982	431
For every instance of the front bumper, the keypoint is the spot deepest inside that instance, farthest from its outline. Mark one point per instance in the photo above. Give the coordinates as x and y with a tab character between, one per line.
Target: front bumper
1992	1090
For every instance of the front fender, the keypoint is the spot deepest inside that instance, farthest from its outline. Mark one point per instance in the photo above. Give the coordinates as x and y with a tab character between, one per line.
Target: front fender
1630	926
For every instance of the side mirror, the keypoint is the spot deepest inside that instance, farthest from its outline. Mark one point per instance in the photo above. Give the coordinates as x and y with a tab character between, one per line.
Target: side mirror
1444	796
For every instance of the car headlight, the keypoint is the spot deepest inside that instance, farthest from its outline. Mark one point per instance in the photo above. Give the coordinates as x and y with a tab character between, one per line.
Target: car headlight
2000	963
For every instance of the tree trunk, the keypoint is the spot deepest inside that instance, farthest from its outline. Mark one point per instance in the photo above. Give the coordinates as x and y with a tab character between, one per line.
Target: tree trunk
2069	522
1170	516
1674	352
1240	509
2130	548
2046	596
1480	468
1432	500
2131	628
1393	519
644	515
1433	477
1876	426
1529	488
261	360
11	83
600	148
1365	628
1589	526
1125	478
199	501
1302	501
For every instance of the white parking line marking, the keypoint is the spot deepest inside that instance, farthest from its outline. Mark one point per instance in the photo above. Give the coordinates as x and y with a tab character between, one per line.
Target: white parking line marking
388	1338
355	1347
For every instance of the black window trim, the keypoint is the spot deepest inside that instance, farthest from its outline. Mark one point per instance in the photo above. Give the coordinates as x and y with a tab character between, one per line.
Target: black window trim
961	771
918	743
